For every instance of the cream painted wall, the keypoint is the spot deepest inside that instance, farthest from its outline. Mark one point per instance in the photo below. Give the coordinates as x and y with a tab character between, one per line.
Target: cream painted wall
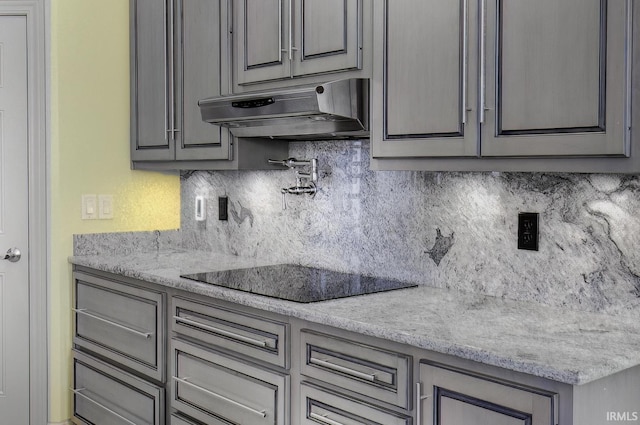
90	154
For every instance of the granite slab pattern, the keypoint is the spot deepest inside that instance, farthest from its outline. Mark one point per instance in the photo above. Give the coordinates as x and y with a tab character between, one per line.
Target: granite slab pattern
572	347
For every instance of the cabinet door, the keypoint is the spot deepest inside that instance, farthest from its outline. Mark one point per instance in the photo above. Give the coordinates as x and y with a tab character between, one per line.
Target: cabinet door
556	78
197	76
261	40
453	397
328	36
424	92
151	88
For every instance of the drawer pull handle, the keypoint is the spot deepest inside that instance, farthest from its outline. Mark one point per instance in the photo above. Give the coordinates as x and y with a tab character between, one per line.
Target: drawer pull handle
323	419
102	406
338	368
252	341
261	413
84	312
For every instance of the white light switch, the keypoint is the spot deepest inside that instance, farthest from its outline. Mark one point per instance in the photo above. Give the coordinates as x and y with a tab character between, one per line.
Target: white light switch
89	207
105	204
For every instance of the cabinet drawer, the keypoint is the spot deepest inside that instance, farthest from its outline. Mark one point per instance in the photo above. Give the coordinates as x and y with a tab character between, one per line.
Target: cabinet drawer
103	394
216	389
245	334
121	322
323	407
451	395
367	370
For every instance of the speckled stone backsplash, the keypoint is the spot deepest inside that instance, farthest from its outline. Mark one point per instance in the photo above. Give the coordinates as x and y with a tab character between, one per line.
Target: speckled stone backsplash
453	230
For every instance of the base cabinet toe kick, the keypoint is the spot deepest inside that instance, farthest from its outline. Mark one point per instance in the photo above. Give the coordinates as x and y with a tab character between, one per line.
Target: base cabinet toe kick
145	354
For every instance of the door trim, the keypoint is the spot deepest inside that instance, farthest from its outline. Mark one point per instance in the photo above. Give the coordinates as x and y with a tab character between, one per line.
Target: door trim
37	14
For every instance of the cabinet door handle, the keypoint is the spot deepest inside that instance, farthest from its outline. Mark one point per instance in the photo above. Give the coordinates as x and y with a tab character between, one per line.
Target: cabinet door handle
323	419
367	376
167	128
483	60
233	335
102	406
291	46
84	312
261	413
465	53
419	398
280	42
172	71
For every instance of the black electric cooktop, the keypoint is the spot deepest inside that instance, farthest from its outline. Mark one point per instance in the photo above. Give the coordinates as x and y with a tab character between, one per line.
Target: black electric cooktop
297	283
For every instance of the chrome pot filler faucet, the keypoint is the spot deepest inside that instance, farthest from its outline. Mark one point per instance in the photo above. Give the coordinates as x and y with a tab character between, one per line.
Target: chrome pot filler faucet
306	177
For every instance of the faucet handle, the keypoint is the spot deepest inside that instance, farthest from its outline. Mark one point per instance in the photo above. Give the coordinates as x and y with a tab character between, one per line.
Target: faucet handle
283	162
290	162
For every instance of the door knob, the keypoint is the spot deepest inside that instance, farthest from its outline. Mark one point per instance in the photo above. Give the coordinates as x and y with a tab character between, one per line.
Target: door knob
13	255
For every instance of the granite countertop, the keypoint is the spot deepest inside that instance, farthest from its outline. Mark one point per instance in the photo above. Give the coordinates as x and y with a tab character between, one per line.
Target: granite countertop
563	345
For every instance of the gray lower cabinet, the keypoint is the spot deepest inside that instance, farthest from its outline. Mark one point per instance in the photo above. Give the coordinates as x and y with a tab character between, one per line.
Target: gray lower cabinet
231	364
103	394
217	389
280	39
453	397
497	79
325	407
121	322
367	370
243	333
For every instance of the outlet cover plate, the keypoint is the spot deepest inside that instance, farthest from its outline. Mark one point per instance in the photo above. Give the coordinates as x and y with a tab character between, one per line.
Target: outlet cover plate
528	231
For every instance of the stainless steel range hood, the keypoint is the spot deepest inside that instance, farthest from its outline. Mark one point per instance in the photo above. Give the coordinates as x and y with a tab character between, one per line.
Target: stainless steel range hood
337	109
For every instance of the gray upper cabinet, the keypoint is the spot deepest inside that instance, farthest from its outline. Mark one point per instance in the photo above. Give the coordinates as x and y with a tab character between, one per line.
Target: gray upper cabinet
555	84
175	61
280	39
424	94
497	78
150	86
259	43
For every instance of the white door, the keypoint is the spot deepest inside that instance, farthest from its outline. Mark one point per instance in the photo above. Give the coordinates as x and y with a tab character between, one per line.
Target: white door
14	276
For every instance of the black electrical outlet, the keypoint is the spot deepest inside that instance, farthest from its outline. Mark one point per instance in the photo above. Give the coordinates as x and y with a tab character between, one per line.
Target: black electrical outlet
528	231
223	203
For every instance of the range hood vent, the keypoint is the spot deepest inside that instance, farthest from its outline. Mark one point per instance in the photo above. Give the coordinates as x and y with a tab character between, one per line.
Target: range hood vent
333	110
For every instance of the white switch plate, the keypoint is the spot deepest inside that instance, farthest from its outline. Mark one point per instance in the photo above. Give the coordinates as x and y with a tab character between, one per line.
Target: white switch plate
105	207
89	207
201	213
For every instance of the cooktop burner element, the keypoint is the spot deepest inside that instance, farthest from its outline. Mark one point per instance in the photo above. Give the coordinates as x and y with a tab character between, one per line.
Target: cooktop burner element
297	283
